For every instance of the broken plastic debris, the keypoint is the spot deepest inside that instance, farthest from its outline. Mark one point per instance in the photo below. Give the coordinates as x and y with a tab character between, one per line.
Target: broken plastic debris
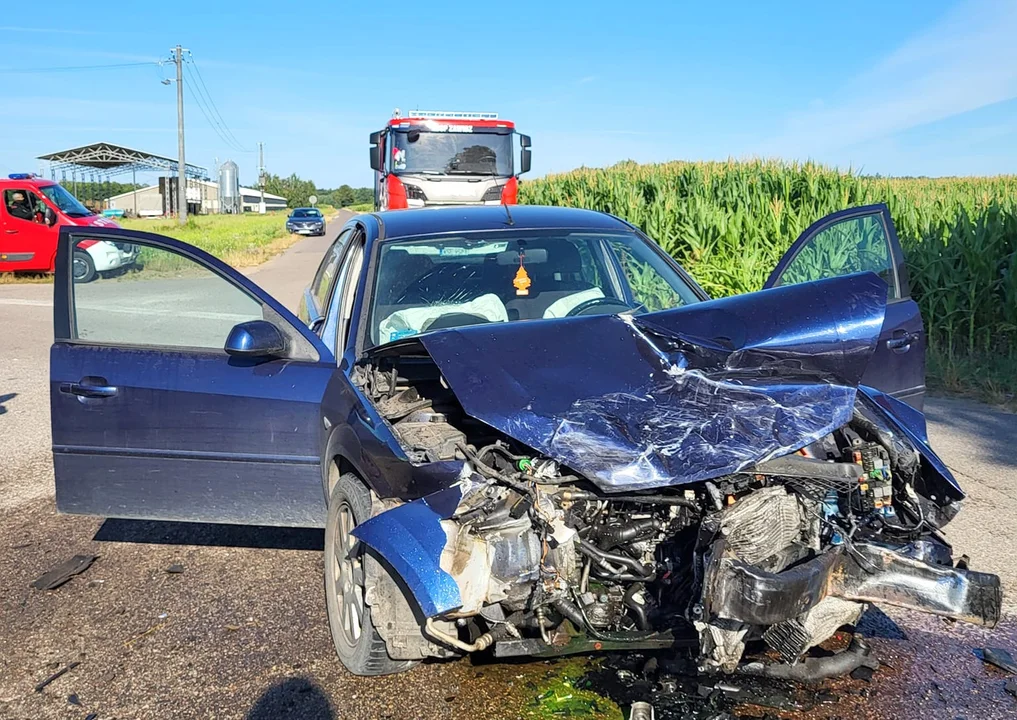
641	711
999	657
63	572
175	569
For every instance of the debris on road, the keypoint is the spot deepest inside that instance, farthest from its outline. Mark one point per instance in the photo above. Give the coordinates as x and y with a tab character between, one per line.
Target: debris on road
148	632
999	657
55	676
1011	687
63	572
175	569
73	699
641	711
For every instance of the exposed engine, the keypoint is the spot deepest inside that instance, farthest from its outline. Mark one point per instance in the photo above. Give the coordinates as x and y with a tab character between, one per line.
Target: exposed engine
786	551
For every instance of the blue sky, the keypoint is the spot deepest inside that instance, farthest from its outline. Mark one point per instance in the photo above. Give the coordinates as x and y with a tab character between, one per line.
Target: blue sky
902	88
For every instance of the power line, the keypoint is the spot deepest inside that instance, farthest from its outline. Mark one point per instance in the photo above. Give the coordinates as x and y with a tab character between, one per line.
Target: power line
73	68
201	103
212	105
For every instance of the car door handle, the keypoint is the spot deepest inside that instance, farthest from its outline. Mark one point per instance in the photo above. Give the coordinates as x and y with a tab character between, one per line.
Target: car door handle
11	232
901	343
88	391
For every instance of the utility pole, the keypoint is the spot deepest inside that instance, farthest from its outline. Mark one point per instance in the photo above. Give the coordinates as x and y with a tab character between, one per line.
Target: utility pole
261	175
181	163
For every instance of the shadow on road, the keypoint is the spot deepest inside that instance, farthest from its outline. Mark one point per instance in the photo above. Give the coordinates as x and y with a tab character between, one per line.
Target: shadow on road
293	698
993	432
209	534
4	398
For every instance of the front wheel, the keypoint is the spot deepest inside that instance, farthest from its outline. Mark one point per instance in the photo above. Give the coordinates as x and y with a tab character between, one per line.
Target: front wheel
83	267
358	644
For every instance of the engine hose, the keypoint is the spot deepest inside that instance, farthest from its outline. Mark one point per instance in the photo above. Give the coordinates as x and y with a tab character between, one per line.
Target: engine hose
566	608
481	643
637	608
588	548
519	487
812	669
619	534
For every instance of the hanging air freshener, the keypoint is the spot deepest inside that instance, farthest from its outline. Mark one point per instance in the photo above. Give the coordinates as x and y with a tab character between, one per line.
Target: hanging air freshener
522	280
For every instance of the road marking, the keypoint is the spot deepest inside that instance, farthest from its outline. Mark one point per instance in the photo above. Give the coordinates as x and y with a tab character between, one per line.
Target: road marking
30	303
192	314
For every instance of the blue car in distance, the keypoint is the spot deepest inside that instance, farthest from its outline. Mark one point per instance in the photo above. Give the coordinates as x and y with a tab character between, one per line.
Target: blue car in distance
306	221
531	432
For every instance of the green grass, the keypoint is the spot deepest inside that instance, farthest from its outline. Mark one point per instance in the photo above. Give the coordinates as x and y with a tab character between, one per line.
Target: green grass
729	223
239	240
362	207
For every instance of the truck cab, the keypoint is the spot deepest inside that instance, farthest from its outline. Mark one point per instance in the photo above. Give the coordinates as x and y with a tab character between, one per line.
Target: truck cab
32	210
433	158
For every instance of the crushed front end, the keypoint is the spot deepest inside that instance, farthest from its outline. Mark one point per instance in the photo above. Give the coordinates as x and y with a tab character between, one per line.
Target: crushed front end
681	488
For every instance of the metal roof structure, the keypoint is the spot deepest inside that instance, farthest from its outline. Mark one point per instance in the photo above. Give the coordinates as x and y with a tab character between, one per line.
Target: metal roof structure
110	159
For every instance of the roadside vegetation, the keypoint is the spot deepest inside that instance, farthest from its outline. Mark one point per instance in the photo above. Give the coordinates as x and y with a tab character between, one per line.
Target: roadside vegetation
729	223
239	240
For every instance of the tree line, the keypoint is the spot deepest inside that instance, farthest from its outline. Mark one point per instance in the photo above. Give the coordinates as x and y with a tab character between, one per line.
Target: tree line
296	190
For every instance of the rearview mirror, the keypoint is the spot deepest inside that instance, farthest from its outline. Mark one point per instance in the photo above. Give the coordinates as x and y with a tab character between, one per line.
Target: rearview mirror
533	256
50	216
376	156
255	339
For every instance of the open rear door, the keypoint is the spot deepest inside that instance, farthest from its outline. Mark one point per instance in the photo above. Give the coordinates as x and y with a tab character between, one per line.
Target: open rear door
858	240
153	419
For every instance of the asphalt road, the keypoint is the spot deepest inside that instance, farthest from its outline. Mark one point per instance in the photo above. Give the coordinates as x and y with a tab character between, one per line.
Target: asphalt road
241	631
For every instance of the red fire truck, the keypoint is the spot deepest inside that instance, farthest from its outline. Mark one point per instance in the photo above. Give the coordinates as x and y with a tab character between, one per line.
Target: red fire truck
447	158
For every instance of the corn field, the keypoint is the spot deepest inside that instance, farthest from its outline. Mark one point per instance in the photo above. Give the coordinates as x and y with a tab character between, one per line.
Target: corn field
729	223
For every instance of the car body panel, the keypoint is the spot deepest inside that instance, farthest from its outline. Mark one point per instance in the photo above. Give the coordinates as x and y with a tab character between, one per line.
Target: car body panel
191	435
676	396
898	366
411	539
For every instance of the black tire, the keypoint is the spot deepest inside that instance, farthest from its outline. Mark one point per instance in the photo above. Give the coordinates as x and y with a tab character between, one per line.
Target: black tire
359	646
82	267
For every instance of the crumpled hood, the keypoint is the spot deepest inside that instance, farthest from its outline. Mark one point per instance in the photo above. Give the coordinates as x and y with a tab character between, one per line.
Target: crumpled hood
677	396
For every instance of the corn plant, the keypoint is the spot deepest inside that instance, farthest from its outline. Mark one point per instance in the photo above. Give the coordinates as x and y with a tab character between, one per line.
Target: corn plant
730	222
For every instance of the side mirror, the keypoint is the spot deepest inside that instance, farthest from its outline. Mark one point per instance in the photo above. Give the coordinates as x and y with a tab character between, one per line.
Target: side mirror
255	339
376	156
50	216
524	161
524	154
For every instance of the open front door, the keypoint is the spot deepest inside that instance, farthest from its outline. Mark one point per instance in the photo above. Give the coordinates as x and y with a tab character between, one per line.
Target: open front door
153	419
858	240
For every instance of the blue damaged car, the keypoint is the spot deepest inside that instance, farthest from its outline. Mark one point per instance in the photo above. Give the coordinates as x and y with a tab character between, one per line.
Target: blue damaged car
529	432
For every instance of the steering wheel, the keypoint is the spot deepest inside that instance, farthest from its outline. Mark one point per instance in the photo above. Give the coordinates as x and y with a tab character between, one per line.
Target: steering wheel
581	308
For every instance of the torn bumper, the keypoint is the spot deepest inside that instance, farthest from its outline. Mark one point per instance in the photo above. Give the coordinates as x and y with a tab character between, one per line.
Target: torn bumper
735	590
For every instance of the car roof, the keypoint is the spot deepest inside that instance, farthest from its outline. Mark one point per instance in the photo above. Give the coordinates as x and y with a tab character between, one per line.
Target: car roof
428	221
305	208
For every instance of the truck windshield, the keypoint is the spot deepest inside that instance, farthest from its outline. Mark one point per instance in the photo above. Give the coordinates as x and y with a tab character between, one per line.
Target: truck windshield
67	203
451	153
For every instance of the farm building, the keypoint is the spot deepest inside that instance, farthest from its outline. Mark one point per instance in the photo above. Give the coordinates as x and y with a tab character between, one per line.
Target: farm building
202	198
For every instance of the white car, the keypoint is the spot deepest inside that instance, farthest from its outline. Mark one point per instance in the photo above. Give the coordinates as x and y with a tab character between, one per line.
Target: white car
99	256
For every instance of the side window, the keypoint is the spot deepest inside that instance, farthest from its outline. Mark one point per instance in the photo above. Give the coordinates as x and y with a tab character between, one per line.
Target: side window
22	204
643	272
852	245
127	294
350	278
327	270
